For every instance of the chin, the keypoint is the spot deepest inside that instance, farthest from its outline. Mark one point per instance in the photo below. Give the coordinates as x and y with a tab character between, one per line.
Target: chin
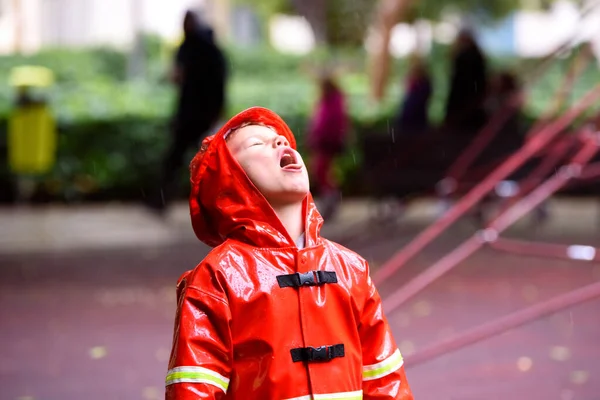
301	191
293	196
296	186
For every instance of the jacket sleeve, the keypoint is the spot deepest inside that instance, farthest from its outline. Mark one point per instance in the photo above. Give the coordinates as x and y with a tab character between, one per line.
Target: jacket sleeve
383	366
201	356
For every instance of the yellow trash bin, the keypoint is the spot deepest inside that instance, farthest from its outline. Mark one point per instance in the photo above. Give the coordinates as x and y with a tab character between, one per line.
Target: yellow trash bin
32	132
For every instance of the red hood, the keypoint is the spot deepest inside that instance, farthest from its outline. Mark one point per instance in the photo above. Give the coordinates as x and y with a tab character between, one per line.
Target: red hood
225	204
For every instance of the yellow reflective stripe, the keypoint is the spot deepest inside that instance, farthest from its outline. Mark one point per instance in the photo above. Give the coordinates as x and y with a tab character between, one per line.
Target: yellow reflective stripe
386	367
196	375
357	395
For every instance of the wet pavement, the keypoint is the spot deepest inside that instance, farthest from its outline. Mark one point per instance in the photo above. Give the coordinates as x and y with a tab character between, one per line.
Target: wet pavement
87	304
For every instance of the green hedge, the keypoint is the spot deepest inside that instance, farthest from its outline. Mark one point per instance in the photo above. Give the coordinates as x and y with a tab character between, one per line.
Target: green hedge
113	131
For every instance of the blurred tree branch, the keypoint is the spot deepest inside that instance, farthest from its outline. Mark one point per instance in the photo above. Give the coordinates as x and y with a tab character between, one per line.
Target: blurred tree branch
345	22
340	23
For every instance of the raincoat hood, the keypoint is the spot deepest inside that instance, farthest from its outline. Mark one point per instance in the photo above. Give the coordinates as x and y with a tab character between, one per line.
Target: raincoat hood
224	203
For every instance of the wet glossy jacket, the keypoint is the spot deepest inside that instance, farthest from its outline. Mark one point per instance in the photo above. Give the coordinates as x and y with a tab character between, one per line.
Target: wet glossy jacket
254	318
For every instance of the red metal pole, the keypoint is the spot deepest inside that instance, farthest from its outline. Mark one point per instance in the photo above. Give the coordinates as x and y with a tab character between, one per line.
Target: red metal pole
424	279
476	174
554	156
591	172
503	324
546	189
492	232
538	249
474	148
479	191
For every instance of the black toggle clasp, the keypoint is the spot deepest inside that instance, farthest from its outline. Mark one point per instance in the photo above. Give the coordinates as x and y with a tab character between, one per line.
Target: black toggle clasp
307	279
311	278
318	354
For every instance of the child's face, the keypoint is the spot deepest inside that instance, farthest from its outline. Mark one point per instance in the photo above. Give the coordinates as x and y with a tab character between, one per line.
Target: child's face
276	169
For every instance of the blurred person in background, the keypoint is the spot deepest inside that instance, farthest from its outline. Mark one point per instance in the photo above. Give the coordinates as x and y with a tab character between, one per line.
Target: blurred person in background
506	93
200	74
413	115
465	112
327	137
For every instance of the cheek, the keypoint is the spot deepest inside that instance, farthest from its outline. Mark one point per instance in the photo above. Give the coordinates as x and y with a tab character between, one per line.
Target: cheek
306	180
256	168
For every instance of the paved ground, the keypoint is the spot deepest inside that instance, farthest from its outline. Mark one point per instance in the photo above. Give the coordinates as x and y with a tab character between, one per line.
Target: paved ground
87	304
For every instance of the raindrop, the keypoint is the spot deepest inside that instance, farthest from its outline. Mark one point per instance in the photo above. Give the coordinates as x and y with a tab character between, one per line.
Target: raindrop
571	318
560	353
97	352
524	364
151	393
423	308
567	394
579	377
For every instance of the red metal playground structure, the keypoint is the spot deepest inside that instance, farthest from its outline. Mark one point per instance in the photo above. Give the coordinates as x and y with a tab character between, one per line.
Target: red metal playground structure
566	149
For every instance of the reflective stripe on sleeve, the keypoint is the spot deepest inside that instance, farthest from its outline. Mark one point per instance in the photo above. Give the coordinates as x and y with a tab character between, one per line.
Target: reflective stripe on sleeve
383	368
196	375
357	395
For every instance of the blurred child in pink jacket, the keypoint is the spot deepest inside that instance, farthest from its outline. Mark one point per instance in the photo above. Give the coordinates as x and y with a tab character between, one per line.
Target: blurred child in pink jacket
327	137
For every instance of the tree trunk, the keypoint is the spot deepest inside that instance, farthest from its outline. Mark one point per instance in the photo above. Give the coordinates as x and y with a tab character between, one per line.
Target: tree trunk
388	14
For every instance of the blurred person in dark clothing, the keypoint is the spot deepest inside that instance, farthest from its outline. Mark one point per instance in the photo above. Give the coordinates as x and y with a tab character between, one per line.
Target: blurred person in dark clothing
505	94
465	110
413	116
200	74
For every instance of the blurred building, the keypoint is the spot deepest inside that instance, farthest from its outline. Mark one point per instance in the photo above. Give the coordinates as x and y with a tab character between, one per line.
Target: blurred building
28	25
524	34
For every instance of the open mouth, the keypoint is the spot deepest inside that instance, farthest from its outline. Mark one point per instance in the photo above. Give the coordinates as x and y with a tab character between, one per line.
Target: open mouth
288	160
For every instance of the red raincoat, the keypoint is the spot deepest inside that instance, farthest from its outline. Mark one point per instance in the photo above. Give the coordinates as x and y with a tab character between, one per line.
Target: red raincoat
260	318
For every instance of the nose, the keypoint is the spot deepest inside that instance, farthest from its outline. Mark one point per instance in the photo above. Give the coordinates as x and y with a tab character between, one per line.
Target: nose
281	141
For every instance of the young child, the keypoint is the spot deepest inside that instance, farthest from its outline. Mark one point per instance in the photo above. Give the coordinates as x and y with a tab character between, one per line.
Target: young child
326	137
274	311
